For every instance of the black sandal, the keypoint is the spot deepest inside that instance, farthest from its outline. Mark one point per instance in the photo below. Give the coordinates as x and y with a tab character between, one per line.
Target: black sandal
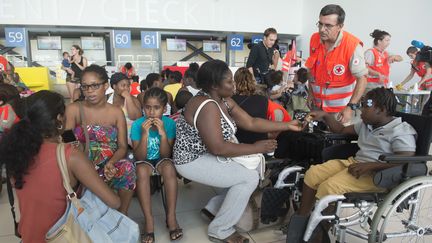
148	237
176	234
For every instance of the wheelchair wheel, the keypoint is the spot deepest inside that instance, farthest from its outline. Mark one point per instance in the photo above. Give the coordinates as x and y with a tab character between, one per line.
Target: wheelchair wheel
405	215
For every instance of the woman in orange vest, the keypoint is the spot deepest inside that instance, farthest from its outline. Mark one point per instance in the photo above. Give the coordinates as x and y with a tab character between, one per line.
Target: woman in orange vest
423	69
378	60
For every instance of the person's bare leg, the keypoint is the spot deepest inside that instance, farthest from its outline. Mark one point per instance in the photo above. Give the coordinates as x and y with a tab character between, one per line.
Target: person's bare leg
144	172
125	199
307	200
70	88
169	174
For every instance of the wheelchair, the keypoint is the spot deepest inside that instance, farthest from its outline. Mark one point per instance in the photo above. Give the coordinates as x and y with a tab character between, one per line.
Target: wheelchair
403	213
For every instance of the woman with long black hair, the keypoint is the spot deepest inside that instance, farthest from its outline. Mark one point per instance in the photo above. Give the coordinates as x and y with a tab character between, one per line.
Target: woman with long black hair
28	149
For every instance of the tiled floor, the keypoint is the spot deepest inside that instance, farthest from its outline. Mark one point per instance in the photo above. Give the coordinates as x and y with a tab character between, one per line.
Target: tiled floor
192	197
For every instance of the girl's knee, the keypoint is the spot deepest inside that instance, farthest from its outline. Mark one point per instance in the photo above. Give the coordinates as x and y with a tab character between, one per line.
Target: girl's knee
143	171
167	169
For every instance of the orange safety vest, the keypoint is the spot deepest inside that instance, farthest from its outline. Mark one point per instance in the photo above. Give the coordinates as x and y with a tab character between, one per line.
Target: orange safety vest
380	65
272	106
3	63
135	89
334	83
127	72
8	117
420	69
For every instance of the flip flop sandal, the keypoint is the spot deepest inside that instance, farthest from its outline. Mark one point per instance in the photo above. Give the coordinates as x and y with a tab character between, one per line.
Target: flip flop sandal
146	237
176	234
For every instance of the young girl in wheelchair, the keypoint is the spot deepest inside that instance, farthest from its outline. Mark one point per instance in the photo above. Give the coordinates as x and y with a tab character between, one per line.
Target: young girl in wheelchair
379	132
153	138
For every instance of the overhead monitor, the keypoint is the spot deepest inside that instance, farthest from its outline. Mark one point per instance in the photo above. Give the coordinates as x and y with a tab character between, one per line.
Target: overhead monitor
92	43
176	44
49	43
211	46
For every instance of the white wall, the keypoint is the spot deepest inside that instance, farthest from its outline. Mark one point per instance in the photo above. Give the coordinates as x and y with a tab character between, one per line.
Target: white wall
404	20
214	15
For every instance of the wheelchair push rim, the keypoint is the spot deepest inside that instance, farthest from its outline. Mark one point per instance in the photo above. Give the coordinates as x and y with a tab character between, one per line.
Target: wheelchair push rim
405	215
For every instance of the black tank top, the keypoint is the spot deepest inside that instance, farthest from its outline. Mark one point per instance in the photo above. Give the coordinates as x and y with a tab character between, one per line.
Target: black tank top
76	69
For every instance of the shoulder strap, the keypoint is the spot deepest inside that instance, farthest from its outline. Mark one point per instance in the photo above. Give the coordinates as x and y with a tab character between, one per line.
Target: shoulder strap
12	202
199	110
220	109
84	125
61	162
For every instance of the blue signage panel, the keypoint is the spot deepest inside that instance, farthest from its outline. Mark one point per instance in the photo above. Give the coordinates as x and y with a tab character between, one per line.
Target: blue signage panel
257	39
122	39
15	37
149	40
235	42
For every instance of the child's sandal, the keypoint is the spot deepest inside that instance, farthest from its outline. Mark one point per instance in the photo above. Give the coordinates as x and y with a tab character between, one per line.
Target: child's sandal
147	237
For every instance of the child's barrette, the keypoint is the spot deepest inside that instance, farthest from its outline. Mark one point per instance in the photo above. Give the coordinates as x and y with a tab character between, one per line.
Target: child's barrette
369	103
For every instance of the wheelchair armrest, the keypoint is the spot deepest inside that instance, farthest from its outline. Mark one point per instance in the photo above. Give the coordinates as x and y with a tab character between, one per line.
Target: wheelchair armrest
392	158
339	136
339	151
273	160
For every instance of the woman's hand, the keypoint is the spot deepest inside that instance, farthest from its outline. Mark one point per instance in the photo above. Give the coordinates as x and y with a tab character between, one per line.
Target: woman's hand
266	146
125	94
109	171
296	125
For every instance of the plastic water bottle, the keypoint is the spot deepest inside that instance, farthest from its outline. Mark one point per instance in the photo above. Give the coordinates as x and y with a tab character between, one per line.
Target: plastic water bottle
417	44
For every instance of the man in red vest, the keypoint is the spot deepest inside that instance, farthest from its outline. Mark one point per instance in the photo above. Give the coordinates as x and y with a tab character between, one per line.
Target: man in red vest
336	65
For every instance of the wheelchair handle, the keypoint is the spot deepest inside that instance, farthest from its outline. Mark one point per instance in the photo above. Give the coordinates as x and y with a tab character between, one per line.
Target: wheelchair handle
284	174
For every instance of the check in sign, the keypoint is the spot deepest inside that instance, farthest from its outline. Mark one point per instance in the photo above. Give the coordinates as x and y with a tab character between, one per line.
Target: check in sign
15	37
235	42
149	40
122	39
257	39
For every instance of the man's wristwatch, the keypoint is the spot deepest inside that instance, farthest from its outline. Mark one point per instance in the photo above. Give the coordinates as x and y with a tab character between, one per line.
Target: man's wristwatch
353	106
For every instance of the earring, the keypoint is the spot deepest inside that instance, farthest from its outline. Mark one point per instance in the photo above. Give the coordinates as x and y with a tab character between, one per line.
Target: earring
60	127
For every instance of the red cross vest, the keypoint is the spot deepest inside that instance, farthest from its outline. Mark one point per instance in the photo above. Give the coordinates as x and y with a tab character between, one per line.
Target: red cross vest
380	65
421	71
3	63
135	89
272	106
420	68
127	72
334	84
